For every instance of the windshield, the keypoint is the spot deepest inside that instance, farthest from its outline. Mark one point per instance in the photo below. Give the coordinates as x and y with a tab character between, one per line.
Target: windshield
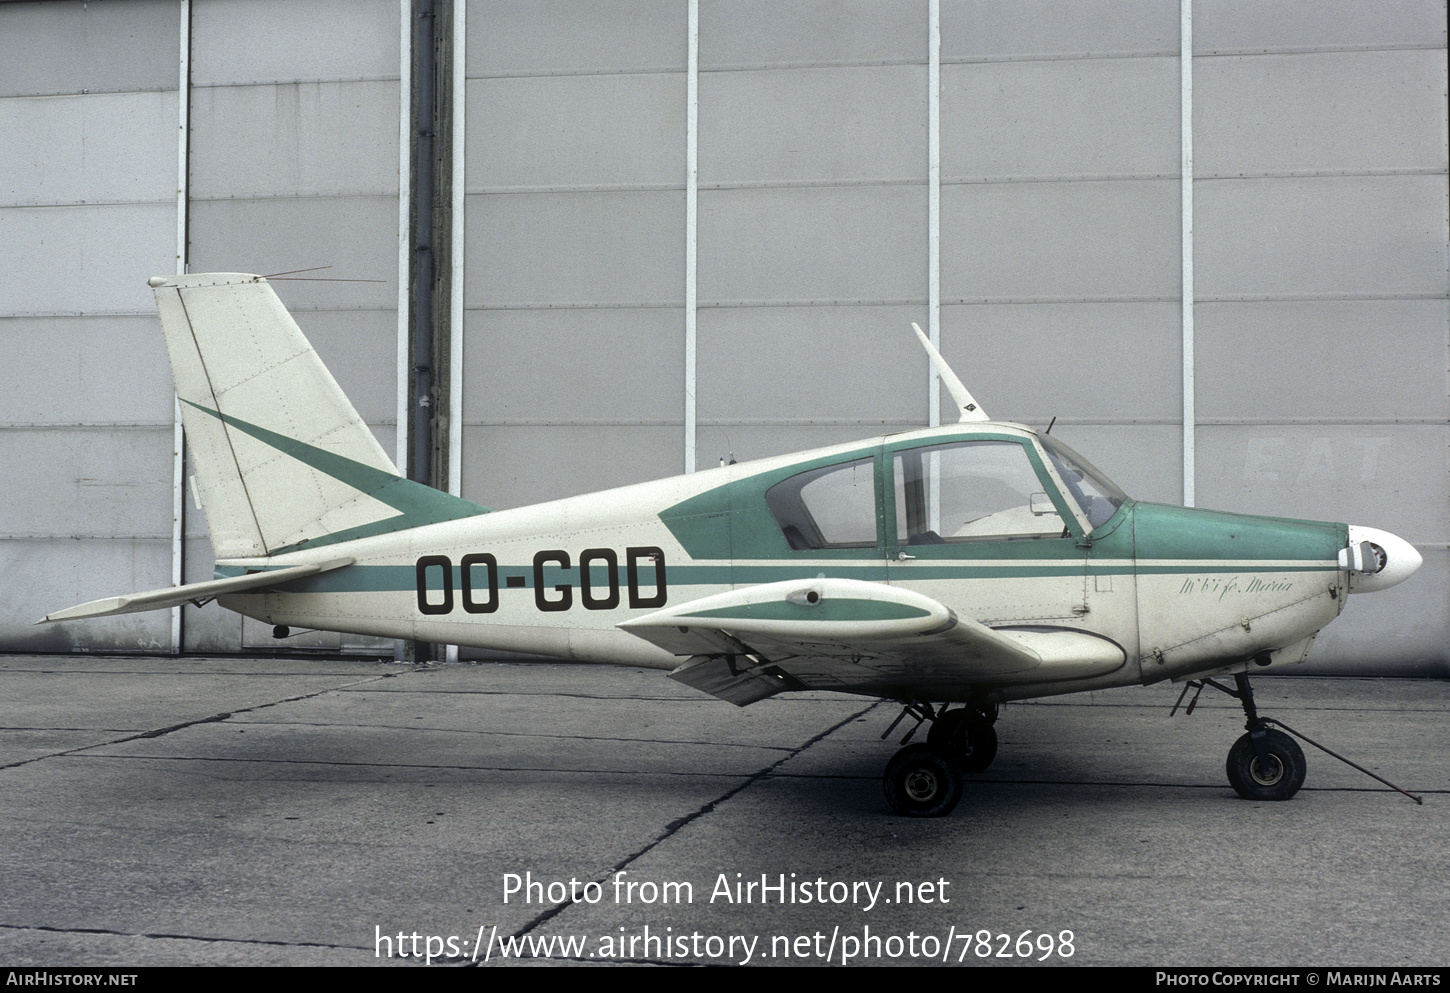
1094	492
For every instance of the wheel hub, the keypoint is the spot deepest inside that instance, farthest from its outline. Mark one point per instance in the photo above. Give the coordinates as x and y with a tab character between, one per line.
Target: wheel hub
921	785
1275	773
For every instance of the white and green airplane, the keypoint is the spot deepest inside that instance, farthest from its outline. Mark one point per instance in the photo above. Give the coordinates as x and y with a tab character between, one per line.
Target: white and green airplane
973	564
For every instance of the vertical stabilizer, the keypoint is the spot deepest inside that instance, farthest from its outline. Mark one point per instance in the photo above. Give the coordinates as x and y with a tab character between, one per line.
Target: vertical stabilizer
282	458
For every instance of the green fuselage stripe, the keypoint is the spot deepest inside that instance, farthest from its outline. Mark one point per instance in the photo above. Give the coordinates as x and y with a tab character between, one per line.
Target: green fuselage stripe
395	578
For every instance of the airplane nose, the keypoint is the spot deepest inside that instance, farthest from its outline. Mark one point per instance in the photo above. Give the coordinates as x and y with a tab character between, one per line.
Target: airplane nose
1395	560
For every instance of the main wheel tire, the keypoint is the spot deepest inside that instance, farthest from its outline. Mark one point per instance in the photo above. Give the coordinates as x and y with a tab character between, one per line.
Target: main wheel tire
948	728
922	781
981	747
967	736
1279	782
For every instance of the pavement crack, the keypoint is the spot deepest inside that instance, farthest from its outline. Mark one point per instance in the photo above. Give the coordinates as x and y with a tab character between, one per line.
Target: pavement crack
214	718
408	765
172	936
679	823
525	734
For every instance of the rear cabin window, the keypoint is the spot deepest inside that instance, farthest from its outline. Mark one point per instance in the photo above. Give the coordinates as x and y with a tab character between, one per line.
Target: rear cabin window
970	490
830	507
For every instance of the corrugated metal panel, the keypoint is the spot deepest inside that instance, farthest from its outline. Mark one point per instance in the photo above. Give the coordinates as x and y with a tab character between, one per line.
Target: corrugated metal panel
1080	117
354	235
84	259
236	42
56	574
519	465
1247	25
100	483
809	363
1146	460
1330	111
813	125
98	148
576	248
295	139
87	193
84	370
1060	240
1376	235
77	47
1390	474
538	37
1077	361
593	365
760	441
748	33
803	244
976	30
1350	358
549	131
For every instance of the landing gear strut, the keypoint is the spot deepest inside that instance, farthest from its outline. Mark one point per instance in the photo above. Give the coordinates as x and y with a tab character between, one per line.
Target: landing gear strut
925	780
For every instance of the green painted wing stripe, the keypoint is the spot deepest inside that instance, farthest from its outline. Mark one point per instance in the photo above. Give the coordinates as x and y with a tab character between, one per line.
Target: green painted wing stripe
832	609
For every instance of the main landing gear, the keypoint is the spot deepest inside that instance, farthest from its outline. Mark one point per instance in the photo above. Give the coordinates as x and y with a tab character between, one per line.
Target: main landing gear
925	780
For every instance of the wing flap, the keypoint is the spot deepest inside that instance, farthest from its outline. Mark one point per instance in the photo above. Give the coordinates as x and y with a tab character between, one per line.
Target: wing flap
174	596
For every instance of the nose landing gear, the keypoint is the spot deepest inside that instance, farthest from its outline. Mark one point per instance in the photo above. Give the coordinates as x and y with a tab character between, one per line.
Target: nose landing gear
1266	763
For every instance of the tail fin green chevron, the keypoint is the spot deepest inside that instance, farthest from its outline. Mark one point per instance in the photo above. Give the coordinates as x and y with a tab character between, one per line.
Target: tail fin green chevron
282	458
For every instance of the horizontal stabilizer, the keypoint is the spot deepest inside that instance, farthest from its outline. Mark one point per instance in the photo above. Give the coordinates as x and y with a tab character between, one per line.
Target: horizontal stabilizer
175	596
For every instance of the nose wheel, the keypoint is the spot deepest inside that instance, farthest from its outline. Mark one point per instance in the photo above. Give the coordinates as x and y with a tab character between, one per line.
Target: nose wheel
1277	776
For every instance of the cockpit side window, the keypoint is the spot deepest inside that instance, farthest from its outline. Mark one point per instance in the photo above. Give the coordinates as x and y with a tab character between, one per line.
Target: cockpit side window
830	507
970	490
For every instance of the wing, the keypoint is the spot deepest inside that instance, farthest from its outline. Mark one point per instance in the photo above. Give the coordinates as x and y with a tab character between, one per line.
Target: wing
846	634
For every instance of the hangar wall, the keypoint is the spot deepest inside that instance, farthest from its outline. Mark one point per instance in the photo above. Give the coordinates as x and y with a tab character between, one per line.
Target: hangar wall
1319	260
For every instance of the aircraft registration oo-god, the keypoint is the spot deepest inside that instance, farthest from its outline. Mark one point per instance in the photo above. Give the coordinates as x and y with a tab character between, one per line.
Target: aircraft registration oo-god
968	564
